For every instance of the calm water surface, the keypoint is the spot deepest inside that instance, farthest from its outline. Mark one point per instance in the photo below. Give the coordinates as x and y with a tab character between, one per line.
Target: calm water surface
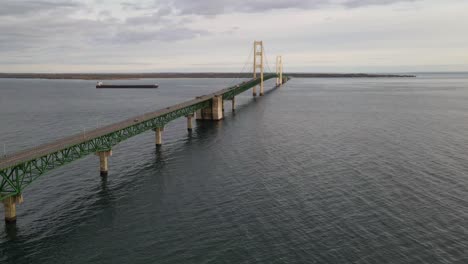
319	171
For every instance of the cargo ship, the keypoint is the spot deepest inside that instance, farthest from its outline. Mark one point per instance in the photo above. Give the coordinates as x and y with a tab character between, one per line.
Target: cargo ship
137	86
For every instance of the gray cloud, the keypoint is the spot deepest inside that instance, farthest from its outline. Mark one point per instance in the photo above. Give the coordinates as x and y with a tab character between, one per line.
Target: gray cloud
162	14
135	6
361	3
165	34
21	7
182	32
33	23
43	26
217	7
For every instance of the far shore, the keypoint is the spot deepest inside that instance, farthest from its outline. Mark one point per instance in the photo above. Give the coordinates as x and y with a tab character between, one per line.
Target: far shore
127	76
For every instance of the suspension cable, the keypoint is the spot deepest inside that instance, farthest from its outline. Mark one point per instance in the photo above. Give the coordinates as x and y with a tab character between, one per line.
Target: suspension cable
266	60
247	62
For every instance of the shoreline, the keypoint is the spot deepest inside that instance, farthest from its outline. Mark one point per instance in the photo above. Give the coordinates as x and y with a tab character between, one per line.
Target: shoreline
135	76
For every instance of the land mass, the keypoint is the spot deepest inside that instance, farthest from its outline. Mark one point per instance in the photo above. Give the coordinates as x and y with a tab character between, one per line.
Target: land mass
117	76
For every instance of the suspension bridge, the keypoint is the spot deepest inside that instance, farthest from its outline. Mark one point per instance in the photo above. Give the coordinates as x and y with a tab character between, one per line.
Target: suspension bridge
19	170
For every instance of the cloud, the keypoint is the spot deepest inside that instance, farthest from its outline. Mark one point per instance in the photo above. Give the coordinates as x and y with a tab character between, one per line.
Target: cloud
171	34
218	7
22	7
134	6
164	34
36	26
162	14
361	3
31	23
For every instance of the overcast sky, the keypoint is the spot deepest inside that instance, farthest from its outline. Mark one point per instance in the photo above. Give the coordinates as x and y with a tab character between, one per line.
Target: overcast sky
217	35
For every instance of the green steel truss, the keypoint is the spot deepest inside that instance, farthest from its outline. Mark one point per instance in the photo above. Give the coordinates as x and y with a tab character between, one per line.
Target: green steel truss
235	90
16	178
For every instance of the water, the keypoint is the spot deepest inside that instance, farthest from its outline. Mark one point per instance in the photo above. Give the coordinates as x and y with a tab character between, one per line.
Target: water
319	171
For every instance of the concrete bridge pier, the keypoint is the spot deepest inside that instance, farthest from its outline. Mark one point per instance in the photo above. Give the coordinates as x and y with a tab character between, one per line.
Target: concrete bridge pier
189	122
158	133
233	101
217	107
10	207
203	114
103	162
254	91
215	112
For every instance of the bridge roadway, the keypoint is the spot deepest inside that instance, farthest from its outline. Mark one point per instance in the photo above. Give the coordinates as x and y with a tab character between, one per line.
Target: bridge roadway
29	154
18	170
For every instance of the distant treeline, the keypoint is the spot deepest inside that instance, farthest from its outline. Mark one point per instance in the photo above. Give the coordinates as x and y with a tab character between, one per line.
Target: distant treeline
116	76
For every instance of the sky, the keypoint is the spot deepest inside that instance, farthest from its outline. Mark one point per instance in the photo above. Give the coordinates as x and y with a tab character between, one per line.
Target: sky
53	36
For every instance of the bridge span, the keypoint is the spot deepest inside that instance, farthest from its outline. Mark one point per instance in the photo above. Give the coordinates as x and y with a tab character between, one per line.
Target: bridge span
19	170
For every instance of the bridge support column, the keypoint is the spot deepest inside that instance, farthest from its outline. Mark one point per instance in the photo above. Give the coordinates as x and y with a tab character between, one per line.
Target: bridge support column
158	133
233	101
254	91
10	207
103	162
217	107
215	112
203	114
189	122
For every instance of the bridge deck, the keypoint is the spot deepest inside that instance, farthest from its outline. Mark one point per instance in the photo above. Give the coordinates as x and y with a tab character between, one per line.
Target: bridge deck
45	149
60	144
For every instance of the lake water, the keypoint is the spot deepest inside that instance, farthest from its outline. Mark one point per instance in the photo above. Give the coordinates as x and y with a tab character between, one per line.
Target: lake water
318	171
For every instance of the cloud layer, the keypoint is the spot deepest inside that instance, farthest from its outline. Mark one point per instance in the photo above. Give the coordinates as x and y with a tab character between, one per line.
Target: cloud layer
58	35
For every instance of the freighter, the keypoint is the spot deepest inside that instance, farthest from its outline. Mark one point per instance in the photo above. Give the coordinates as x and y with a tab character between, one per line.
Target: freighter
147	86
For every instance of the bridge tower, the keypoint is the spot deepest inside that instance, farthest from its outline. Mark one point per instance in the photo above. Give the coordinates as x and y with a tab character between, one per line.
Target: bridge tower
279	70
258	65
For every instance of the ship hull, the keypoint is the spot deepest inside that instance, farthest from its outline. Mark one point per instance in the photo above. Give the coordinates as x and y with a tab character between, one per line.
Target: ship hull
127	86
